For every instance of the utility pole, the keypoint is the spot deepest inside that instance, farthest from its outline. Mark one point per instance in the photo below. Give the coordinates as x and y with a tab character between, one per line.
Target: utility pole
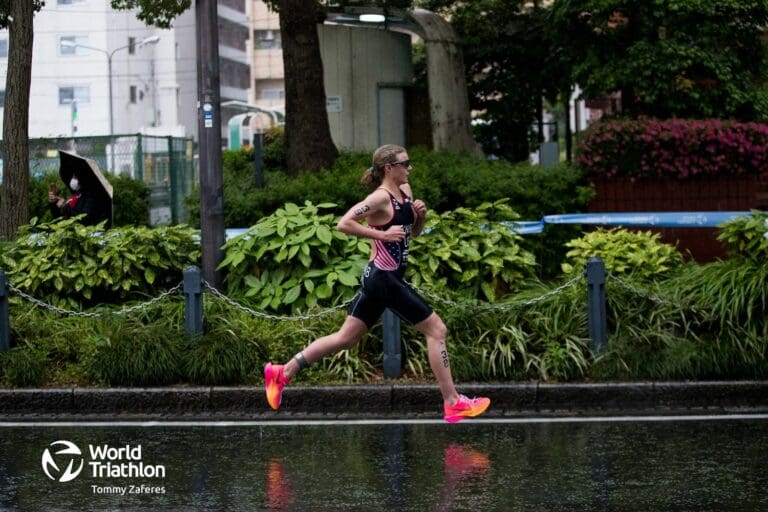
154	92
209	139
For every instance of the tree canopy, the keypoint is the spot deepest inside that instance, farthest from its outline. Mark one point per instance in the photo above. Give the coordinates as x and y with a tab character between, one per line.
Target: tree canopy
678	58
508	69
157	13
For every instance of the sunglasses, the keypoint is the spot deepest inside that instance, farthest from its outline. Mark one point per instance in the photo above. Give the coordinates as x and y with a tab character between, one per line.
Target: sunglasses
404	163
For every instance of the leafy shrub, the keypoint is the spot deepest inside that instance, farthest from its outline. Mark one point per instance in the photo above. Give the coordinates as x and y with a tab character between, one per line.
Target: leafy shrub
294	259
733	292
220	357
69	264
129	353
676	148
747	236
514	340
130	201
23	367
274	148
639	253
445	181
246	205
469	252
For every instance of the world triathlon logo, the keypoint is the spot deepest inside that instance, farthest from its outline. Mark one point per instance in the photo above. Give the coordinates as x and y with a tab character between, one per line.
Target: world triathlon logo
68	457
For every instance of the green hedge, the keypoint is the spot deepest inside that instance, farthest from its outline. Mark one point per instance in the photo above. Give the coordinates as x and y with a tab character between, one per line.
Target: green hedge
445	181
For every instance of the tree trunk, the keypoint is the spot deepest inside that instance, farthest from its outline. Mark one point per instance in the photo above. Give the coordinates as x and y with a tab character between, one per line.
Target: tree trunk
14	208
308	143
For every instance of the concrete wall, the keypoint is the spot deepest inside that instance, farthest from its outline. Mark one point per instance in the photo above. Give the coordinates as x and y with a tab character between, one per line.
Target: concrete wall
365	71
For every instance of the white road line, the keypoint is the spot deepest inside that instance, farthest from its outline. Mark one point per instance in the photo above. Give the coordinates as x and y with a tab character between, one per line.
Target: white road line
374	422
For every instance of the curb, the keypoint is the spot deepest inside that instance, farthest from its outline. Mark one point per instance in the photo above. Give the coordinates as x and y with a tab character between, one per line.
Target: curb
383	401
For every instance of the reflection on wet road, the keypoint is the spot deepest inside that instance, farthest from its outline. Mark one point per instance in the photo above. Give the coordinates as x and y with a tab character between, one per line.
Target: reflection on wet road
522	465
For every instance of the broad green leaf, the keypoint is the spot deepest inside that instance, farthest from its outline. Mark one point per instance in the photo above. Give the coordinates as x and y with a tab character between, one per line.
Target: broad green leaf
323	291
324	234
292	294
348	279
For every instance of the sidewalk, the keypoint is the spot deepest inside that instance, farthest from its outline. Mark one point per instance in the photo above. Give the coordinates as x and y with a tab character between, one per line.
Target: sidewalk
382	401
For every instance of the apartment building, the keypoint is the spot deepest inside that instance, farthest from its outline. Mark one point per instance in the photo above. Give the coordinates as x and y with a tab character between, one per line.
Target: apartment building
81	46
267	75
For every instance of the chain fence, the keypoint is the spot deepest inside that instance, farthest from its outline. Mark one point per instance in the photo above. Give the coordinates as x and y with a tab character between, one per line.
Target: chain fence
194	287
644	293
502	306
275	317
268	316
95	314
309	316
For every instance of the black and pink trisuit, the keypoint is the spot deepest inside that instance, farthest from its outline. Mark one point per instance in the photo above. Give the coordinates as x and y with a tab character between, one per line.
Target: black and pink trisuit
382	280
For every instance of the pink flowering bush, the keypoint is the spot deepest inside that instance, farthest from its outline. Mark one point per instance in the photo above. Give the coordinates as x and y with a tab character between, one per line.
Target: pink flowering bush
678	148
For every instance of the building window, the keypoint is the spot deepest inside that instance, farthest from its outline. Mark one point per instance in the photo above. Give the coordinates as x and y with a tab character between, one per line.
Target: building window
2	98
272	94
69	2
67	45
3	48
131	45
81	93
267	40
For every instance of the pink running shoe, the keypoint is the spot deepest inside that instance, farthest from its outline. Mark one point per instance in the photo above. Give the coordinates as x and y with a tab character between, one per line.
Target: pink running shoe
465	408
274	382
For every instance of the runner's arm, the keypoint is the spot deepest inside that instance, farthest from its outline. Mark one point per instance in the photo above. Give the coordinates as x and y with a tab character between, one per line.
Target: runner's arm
375	205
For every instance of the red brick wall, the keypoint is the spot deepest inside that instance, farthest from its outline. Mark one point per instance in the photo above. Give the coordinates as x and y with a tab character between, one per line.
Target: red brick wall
725	193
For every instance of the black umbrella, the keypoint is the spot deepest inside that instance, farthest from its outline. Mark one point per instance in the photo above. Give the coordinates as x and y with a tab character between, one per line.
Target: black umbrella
88	174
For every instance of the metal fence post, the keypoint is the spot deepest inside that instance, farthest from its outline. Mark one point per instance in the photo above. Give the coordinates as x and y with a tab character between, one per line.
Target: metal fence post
258	160
193	301
393	360
5	319
596	303
173	181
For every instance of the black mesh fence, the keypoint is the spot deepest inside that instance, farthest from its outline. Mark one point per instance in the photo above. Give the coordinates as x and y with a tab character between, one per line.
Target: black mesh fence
169	165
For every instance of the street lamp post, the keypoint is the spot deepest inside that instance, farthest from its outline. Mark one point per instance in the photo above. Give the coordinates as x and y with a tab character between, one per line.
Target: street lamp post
110	54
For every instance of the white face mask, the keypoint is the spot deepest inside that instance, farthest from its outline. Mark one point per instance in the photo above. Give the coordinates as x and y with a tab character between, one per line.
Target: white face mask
74	184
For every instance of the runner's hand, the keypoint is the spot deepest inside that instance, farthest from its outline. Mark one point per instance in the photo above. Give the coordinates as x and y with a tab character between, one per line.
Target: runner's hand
419	208
393	234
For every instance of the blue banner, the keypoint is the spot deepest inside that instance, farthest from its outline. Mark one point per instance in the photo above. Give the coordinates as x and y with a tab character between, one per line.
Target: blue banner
630	219
648	219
